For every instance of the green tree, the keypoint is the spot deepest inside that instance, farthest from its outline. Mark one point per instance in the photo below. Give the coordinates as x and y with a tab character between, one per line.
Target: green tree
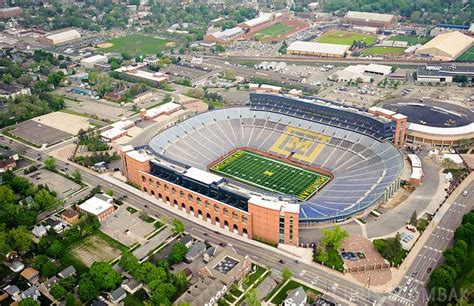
104	276
180	280
178	252
40	261
45	200
129	262
50	164
77	176
178	226
57	291
20	239
28	302
70	299
110	192
7	78
87	290
251	298
56	249
334	237
286	274
49	269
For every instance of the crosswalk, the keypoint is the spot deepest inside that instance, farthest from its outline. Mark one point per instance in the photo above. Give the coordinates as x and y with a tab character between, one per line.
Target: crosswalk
394	299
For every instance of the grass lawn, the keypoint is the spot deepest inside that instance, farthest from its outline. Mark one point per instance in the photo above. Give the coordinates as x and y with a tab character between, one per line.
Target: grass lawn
273	31
255	275
112	242
136	43
132	300
345	38
467	56
236	292
131	210
68	259
411	40
146	218
270	174
334	260
282	294
216	104
383	51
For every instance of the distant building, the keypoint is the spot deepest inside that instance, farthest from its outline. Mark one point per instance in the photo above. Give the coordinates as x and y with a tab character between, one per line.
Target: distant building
9	12
31	275
118	130
68	271
50	282
164	109
370	19
225	36
100	206
31	293
139	72
195	251
39	231
12	91
296	297
116	95
446	46
131	285
317	49
7	164
443	73
90	62
60	37
71	216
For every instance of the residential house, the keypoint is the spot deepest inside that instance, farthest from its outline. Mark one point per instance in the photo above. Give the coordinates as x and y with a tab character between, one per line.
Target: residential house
187	240
31	275
32	293
100	206
117	295
71	216
205	291
7	164
16	266
55	225
131	285
195	251
50	282
296	297
116	95
68	271
39	231
12	291
13	91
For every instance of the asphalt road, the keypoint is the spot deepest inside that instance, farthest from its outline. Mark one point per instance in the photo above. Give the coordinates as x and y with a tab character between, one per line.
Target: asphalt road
415	294
413	285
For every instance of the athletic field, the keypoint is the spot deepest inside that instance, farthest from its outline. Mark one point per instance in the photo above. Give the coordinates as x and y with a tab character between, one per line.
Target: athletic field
135	43
270	174
467	56
345	38
275	30
383	51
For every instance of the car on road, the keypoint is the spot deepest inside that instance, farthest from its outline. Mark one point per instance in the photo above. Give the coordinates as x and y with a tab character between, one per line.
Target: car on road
414	274
396	290
409	281
405	289
464	193
281	261
429	270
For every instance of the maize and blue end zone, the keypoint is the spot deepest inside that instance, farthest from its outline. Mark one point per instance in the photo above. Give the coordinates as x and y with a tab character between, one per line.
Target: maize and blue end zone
271	174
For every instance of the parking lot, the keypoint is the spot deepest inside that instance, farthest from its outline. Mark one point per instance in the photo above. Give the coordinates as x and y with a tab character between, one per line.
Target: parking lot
67	123
38	133
127	227
55	182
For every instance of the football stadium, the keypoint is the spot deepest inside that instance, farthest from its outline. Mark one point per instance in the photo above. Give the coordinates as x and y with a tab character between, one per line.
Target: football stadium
265	170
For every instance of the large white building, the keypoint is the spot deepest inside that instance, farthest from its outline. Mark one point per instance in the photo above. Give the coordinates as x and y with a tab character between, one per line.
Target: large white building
89	62
61	37
317	49
446	46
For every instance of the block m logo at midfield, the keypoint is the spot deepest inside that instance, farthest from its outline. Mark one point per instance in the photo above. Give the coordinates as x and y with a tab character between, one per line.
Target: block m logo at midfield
305	145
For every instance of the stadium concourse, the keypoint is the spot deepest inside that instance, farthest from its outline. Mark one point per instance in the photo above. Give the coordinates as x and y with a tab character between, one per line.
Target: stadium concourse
349	146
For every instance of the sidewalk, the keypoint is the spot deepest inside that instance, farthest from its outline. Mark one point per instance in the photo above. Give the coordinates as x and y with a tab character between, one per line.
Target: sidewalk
398	274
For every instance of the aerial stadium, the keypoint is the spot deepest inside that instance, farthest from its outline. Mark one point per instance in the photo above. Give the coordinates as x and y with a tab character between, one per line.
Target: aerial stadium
270	168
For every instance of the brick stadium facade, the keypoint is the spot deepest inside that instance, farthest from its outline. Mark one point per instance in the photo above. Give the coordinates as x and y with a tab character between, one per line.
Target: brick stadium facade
258	218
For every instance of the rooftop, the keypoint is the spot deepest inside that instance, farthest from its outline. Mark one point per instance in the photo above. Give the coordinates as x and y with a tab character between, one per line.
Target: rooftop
95	206
369	16
202	176
315	47
226	264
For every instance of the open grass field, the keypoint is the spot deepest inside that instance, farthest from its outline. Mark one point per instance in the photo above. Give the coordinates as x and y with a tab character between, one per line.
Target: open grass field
97	247
270	174
135	43
383	51
411	40
345	38
273	31
467	56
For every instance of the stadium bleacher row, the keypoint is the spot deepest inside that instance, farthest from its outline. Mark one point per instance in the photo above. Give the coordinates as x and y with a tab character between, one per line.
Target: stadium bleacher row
363	167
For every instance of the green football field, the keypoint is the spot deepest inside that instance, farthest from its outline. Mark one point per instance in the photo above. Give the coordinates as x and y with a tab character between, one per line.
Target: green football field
273	31
467	56
270	174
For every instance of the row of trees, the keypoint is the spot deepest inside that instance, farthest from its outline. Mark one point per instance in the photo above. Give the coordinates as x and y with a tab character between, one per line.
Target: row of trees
457	265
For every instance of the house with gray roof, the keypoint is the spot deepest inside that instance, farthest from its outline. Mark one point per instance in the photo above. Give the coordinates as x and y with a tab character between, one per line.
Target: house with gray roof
32	293
195	251
296	297
117	295
68	271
